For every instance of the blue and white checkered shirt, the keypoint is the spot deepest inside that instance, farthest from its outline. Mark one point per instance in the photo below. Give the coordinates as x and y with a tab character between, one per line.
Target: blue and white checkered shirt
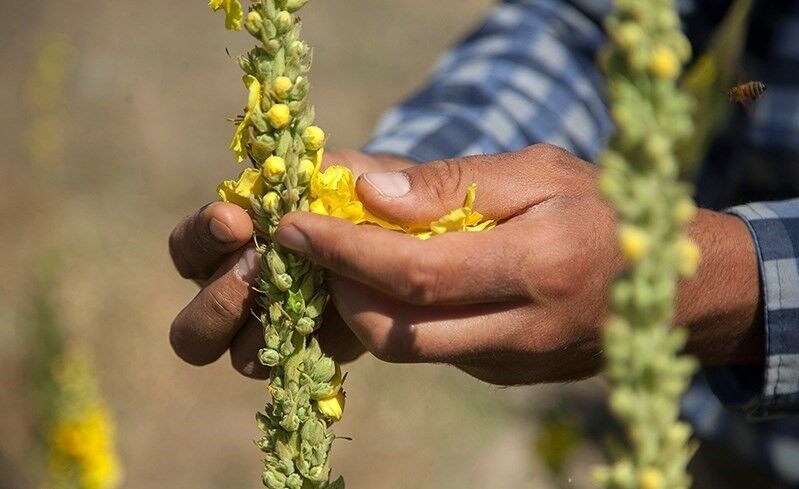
528	75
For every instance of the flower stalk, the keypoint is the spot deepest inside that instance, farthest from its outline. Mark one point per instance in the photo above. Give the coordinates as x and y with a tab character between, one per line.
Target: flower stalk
276	135
640	178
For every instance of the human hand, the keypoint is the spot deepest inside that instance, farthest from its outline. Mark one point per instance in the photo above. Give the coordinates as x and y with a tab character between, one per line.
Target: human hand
213	247
525	301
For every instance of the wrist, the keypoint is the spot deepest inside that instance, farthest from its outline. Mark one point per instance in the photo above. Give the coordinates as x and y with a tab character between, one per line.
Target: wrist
722	306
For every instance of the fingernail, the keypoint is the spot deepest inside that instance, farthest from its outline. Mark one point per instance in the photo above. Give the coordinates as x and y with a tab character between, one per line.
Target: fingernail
292	238
220	231
389	183
248	266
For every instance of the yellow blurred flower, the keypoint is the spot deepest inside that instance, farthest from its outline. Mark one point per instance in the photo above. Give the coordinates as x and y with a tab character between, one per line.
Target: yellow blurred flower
241	136
634	242
233	12
663	63
81	437
690	256
86	442
238	191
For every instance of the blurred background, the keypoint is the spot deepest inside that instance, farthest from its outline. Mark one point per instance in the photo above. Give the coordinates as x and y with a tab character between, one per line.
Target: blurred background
112	128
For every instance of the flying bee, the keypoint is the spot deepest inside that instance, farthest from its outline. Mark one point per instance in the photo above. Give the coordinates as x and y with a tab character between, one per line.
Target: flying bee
746	92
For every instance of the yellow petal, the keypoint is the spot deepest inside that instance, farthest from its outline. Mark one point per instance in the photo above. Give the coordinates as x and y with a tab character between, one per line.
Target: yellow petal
254	89
240	139
233	12
352	212
332	407
318	207
238	191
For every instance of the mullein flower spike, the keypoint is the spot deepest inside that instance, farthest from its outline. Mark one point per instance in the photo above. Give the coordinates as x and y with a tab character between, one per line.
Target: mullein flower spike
276	135
640	178
305	385
81	438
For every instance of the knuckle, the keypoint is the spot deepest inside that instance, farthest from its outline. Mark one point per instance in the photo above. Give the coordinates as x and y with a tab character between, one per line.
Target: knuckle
421	282
396	348
222	305
442	179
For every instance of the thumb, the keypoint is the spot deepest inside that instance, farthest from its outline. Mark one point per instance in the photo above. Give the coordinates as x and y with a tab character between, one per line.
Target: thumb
507	184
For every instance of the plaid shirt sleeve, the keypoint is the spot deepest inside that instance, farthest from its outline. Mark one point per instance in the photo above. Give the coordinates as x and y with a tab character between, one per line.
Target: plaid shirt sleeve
772	390
526	75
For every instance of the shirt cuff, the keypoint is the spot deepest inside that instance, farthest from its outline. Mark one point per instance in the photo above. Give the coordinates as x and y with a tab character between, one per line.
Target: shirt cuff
773	389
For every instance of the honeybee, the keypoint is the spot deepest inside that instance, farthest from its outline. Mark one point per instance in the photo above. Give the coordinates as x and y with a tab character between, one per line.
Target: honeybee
746	92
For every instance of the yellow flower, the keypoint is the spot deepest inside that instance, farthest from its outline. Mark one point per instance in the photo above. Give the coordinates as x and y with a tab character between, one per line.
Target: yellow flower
238	191
332	407
313	137
233	12
333	194
279	116
663	63
634	242
282	86
463	219
241	136
274	168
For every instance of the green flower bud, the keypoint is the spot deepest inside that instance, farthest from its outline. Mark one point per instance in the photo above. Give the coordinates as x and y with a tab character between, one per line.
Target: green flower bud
305	326
268	357
254	23
323	370
294	481
283	21
315	308
274	480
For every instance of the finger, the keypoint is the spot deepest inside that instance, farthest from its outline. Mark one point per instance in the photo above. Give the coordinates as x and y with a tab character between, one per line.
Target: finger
200	243
507	184
456	268
504	344
404	333
202	331
335	338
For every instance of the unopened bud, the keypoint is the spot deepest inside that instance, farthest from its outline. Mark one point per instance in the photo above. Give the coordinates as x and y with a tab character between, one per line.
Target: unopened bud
279	116
268	357
254	23
271	202
282	87
274	168
283	21
313	137
305	326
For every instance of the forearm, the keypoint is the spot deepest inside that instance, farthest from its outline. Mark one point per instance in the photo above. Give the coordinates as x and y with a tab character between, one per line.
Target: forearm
722	306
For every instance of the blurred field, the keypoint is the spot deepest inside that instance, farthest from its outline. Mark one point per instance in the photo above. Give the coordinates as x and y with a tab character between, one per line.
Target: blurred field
98	169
